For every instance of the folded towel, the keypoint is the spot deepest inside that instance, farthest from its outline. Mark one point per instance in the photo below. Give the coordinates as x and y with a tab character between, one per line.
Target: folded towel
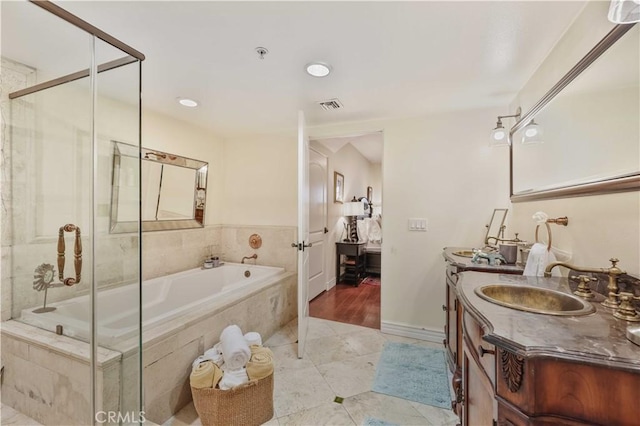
214	354
197	362
261	363
233	378
539	258
235	351
253	338
205	375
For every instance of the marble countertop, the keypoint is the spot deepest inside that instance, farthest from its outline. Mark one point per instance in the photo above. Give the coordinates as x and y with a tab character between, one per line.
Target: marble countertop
597	338
466	263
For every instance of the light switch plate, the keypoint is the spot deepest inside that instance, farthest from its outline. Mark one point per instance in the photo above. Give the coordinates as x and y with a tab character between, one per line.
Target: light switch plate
418	224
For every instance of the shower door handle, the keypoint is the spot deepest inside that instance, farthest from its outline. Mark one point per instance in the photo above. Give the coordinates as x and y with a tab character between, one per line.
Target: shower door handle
77	251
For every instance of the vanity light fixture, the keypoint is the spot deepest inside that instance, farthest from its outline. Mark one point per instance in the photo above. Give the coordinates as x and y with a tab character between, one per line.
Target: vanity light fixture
188	102
318	69
499	135
624	11
532	133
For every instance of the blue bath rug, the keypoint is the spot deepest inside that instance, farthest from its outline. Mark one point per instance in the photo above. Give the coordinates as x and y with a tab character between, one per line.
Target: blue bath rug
371	421
413	372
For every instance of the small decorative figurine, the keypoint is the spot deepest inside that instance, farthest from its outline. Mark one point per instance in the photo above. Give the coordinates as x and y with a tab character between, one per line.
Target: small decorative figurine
491	258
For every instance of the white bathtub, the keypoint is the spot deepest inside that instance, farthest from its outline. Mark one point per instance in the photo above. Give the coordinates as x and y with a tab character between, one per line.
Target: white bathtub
164	298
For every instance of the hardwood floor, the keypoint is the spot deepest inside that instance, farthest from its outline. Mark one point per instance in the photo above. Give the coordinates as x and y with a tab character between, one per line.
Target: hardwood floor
346	303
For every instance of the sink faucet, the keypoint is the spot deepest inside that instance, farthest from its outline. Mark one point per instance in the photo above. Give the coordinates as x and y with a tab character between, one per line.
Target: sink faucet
612	299
254	257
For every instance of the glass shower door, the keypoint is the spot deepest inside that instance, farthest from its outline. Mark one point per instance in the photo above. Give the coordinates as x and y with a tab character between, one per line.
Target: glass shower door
70	289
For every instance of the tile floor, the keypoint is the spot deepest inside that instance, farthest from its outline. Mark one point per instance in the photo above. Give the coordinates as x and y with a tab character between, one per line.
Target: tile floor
340	361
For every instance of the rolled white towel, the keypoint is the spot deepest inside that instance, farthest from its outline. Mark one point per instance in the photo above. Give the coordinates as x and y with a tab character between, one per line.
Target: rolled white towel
235	351
197	362
232	378
253	338
214	355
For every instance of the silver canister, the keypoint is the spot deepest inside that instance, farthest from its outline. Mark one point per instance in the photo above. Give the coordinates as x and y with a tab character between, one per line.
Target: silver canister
509	252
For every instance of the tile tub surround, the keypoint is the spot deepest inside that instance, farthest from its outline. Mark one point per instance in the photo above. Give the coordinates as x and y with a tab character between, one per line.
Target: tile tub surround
340	360
168	351
46	376
168	252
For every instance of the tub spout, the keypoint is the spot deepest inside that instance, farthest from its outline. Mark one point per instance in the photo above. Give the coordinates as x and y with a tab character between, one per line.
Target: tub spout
254	257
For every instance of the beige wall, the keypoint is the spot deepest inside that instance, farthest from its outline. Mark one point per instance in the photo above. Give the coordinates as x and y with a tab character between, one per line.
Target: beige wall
600	227
441	168
260	186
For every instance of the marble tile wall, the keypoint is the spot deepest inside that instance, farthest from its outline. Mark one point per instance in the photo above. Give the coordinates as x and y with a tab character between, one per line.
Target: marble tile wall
276	247
43	381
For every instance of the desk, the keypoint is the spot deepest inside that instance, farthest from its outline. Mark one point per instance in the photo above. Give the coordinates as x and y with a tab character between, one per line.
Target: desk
351	258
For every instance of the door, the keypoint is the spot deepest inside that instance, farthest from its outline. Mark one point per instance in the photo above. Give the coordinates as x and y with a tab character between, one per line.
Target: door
303	233
317	222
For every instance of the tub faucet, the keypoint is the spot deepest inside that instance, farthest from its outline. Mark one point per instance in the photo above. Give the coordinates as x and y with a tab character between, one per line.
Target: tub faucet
254	256
612	297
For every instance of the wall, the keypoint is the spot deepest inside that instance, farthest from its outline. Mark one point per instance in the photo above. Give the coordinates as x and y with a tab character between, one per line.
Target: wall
600	227
260	180
438	167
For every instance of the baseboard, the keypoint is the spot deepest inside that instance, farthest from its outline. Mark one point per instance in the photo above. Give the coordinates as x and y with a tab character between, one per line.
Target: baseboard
413	332
331	284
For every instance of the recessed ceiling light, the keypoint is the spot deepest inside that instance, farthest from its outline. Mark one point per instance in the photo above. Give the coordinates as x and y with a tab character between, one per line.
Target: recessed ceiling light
188	102
318	69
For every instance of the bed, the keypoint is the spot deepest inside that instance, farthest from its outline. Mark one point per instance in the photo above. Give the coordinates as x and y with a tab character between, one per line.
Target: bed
370	232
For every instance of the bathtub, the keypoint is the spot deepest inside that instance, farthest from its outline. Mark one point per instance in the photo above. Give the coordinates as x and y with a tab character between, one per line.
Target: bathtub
164	298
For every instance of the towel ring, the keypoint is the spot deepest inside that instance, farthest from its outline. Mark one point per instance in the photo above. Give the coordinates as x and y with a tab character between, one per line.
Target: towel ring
548	233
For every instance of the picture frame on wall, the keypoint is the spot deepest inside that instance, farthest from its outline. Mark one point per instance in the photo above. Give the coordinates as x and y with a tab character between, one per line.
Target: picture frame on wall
369	194
338	188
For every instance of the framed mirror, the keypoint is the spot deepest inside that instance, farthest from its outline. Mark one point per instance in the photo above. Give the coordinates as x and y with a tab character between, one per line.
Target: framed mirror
495	228
172	189
591	127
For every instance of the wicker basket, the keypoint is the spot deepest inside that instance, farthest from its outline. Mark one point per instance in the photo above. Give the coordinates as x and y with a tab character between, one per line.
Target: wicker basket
248	404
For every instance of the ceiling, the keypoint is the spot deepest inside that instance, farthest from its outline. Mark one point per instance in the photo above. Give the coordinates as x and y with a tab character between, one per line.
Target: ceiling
369	144
389	59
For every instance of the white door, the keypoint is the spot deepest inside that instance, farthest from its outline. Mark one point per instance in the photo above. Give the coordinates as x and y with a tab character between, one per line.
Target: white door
303	234
317	222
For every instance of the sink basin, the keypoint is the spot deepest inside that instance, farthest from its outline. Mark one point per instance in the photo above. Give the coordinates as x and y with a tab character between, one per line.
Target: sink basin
463	253
534	299
633	334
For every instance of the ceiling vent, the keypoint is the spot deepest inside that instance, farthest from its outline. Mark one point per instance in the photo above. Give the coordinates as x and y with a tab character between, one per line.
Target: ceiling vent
330	105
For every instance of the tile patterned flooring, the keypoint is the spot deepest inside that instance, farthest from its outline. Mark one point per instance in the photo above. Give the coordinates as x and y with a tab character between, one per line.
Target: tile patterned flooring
340	361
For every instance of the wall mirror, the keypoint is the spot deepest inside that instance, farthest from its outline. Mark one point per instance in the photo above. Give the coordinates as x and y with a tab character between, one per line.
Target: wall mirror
173	190
495	228
591	127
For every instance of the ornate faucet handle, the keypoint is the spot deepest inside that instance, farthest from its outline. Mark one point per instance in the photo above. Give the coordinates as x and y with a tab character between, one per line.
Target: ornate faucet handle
626	311
583	289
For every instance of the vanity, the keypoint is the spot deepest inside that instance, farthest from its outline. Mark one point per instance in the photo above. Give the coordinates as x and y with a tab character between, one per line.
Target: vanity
457	263
525	368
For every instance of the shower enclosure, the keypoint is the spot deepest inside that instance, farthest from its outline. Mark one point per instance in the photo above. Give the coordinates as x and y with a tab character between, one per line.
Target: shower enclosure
68	91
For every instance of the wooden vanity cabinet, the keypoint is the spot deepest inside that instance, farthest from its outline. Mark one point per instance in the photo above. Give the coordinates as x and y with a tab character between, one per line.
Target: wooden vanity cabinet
478	367
452	332
551	391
